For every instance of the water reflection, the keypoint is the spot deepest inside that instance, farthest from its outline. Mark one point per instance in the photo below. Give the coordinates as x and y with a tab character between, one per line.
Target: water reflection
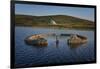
36	46
75	51
57	44
57	41
75	45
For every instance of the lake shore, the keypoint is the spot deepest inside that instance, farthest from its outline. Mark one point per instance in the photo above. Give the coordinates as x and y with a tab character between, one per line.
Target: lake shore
76	27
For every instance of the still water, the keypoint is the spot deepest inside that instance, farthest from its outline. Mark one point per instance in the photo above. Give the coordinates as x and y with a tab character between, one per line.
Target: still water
27	55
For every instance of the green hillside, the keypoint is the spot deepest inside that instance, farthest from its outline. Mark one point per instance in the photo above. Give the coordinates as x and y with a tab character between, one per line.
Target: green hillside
61	20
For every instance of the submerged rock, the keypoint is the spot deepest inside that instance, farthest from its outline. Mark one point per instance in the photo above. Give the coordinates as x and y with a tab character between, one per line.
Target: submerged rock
77	39
36	40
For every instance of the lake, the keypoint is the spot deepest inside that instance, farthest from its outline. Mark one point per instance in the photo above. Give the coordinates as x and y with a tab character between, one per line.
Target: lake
27	55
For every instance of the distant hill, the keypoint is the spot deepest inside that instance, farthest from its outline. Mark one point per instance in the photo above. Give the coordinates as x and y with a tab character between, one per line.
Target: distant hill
26	20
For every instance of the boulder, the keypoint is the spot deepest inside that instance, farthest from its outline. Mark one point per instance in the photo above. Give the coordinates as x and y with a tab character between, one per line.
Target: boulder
76	39
37	41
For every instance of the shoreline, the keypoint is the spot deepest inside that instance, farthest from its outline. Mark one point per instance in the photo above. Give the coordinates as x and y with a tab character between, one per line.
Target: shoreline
59	27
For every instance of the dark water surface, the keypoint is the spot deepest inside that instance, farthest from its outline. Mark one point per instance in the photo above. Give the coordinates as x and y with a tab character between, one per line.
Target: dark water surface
26	55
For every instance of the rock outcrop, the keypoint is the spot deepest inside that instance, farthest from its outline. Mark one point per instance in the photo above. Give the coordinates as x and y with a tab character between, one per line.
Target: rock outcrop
76	39
37	40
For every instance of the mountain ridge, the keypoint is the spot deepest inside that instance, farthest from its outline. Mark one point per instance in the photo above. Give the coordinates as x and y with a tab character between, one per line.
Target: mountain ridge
30	20
52	15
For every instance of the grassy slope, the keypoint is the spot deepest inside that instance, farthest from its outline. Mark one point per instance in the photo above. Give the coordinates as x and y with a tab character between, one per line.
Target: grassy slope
62	20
